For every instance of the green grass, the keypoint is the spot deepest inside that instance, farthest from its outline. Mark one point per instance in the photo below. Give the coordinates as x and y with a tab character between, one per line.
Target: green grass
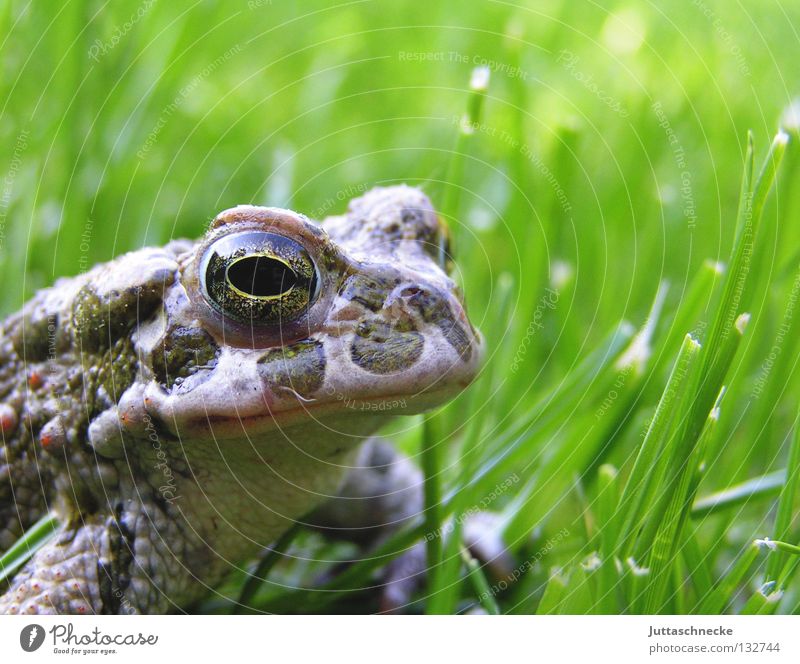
593	207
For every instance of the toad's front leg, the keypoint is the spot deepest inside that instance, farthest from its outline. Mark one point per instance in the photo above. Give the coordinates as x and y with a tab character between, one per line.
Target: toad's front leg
118	563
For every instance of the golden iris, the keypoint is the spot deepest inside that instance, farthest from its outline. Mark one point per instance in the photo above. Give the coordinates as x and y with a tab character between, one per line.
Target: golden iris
258	277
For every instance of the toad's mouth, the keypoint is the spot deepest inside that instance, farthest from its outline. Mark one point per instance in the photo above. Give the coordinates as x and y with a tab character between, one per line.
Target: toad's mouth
334	408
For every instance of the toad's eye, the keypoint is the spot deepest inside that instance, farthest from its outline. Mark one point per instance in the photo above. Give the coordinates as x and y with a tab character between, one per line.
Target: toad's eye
258	278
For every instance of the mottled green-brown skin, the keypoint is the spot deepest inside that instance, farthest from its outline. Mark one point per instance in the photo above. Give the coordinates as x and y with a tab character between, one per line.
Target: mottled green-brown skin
60	372
174	442
61	368
299	367
183	352
382	348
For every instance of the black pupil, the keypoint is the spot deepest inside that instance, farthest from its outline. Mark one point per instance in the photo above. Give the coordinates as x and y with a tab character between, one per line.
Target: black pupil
261	276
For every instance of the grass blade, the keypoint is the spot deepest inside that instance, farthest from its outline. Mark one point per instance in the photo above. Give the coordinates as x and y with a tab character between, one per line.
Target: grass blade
39	534
783	519
757	488
725	590
649	462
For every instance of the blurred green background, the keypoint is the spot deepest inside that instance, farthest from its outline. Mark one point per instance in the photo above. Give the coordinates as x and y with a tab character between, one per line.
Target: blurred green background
608	161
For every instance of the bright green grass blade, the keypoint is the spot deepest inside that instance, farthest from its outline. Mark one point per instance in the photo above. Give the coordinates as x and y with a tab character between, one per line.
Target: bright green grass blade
479	83
785	547
650	461
763	601
445	582
697	564
511	449
722	594
751	207
479	584
486	387
695	305
715	360
432	465
767	598
770	604
39	534
755	489
579	598
573	446
554	594
608	491
671	511
668	538
783	519
788	572
666	518
433	449
696	463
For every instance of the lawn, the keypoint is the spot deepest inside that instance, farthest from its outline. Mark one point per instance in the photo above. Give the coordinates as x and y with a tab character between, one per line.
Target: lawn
594	191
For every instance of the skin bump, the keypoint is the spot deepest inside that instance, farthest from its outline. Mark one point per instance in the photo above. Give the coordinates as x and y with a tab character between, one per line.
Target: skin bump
100	318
